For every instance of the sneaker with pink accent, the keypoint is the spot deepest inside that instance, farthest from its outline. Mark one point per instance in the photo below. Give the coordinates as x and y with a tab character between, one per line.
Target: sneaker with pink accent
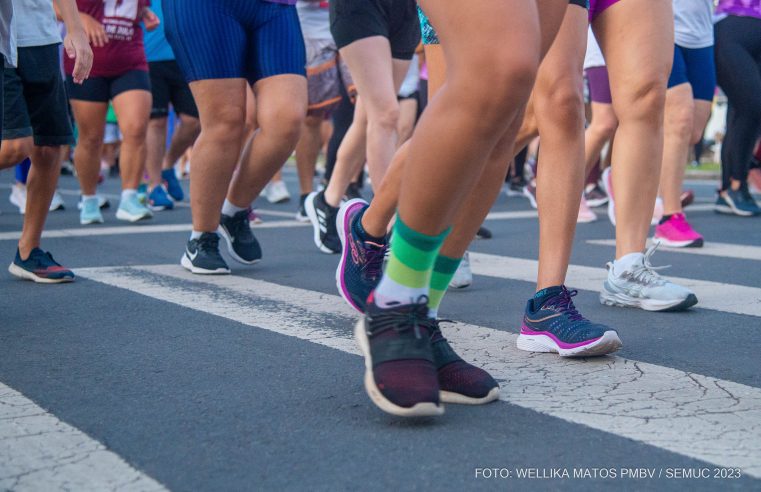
676	232
586	214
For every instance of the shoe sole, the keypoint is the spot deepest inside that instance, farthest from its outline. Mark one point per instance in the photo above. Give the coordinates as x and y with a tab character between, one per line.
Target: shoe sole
460	286
728	210
279	200
597	203
226	236
695	243
621	300
302	218
457	398
606	344
188	265
531	199
343	226
90	222
586	220
312	216
19	272
426	409
128	217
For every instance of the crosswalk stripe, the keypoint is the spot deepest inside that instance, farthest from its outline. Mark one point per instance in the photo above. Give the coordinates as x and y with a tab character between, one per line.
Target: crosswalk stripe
710	248
717	296
701	417
42	453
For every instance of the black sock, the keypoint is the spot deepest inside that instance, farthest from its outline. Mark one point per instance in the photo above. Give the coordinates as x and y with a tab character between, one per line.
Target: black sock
359	228
665	218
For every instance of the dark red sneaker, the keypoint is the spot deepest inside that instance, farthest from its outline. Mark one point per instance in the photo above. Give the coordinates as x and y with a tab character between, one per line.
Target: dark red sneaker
400	375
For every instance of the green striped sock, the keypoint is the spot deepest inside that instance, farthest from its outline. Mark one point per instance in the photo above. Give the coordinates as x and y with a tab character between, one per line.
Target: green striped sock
410	266
443	271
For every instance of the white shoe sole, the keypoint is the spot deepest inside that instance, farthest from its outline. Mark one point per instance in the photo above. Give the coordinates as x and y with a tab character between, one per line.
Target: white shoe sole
456	398
726	209
419	410
188	265
223	232
676	244
312	215
340	218
91	221
606	344
622	300
19	272
122	214
531	199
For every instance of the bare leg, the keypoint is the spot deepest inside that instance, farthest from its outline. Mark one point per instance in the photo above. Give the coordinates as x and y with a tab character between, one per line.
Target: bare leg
598	133
40	187
91	118
307	151
155	141
678	129
133	109
350	158
407	115
183	138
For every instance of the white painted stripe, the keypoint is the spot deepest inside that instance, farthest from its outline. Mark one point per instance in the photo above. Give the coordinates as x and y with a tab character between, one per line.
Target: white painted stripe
723	250
39	452
138	229
728	298
697	416
529	214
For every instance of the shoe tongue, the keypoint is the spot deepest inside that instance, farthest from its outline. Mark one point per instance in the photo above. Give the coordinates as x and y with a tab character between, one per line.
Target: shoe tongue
544	295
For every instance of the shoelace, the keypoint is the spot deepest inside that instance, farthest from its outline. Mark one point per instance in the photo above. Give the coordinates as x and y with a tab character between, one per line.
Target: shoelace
415	317
43	258
240	225
647	273
374	261
564	302
209	243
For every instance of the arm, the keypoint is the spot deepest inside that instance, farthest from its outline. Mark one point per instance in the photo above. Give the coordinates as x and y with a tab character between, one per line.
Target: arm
150	19
76	43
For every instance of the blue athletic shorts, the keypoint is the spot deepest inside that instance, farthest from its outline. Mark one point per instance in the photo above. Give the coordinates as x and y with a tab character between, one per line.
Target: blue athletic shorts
696	67
230	39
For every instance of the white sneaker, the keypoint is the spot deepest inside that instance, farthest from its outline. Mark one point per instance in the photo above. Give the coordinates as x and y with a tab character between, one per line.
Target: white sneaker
57	202
657	211
276	192
18	197
463	277
641	286
586	214
607	184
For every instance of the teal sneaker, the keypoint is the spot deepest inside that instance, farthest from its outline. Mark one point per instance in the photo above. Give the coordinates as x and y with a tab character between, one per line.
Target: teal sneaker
90	211
132	210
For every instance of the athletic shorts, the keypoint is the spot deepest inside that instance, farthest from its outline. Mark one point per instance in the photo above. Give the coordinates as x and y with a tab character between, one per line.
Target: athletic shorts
169	86
697	68
104	89
599	85
395	20
326	73
34	98
232	39
597	7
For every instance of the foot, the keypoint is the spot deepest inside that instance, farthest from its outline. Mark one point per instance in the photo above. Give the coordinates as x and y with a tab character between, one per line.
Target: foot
89	212
400	374
736	202
586	215
159	199
484	233
515	187
103	202
641	286
353	191
18	197
676	232
241	242
687	198
529	191
323	219
459	381
276	192
463	276
595	195
557	326
40	267
57	202
607	183
361	264
301	214
173	186
132	210
202	256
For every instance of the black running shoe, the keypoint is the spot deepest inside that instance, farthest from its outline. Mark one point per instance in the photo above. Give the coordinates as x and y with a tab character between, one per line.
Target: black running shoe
301	214
353	191
483	233
400	374
202	256
323	219
241	243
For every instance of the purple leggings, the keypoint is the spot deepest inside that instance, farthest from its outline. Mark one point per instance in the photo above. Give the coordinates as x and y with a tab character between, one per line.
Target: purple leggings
596	7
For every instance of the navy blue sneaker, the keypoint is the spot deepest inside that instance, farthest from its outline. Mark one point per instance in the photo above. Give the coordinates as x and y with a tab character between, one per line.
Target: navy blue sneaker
159	200
361	264
400	374
202	256
241	242
459	381
40	267
552	324
172	185
736	202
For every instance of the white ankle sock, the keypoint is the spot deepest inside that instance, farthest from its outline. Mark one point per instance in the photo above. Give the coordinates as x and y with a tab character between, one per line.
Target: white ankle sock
128	193
230	209
88	197
195	234
626	262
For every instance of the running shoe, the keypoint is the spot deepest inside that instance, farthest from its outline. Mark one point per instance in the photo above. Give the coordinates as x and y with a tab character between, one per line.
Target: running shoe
253	217
529	191
734	202
40	267
483	233
687	198
585	213
18	197
323	219
361	264
595	195
202	256
641	286
515	187
754	179
557	326
459	381
607	183
142	193
463	276
159	199
89	211
103	202
241	242
657	211
301	214
750	202
173	186
57	202
353	191
676	232
132	209
400	374
277	192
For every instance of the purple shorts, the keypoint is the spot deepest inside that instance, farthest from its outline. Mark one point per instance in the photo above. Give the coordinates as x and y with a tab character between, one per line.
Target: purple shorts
596	7
599	85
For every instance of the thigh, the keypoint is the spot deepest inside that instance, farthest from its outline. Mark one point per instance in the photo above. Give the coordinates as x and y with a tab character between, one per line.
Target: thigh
133	109
352	20
276	45
279	97
701	72
372	69
160	89
562	67
404	29
91	119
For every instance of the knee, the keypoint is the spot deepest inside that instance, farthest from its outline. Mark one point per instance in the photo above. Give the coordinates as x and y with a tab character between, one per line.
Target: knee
190	123
285	125
679	123
386	117
564	102
226	126
16	150
133	132
643	100
603	126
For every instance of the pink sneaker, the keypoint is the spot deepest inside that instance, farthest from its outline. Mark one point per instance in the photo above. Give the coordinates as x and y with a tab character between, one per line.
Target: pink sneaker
585	213
676	232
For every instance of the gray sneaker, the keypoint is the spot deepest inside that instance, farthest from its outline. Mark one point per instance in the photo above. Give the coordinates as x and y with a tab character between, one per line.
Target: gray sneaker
641	286
463	277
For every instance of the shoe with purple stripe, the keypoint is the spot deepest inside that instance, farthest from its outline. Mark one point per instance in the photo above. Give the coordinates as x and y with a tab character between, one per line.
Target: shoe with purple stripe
552	324
361	264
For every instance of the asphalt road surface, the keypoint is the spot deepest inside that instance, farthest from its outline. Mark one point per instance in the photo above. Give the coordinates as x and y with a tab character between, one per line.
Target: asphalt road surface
139	376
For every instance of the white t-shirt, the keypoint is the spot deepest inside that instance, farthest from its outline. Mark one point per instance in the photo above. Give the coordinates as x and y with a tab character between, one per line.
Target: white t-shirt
594	56
315	19
693	23
7	34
